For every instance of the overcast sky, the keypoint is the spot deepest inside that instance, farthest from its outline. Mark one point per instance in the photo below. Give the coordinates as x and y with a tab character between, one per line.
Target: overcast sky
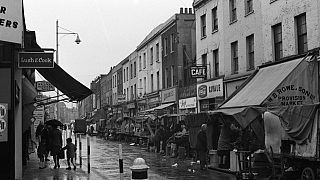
109	30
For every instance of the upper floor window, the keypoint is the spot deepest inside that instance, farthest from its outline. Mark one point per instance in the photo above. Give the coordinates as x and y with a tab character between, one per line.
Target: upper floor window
157	52
134	69
248	6
140	63
165	46
144	60
233	10
204	61
234	58
250	52
216	62
277	41
151	83
203	26
214	19
151	55
171	42
302	33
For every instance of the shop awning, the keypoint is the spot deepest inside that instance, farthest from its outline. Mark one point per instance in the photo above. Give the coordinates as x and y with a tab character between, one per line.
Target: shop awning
275	85
159	107
267	79
65	83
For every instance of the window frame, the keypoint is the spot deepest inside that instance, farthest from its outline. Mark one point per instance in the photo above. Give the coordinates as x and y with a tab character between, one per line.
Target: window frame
250	52
203	26
277	41
302	37
234	58
233	10
214	15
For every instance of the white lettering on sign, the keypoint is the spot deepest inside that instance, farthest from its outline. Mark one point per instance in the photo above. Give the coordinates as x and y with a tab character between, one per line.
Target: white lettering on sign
210	89
11	21
199	71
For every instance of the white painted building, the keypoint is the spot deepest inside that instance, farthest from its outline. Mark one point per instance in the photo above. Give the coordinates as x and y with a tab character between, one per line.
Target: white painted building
229	41
290	27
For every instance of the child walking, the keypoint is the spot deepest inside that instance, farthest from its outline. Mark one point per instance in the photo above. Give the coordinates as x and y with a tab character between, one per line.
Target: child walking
71	149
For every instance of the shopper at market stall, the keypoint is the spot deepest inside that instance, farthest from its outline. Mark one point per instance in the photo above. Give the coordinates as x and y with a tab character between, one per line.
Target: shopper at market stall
201	146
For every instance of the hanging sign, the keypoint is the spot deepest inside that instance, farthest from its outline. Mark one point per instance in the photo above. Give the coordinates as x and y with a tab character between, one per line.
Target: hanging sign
11	25
3	122
35	60
198	71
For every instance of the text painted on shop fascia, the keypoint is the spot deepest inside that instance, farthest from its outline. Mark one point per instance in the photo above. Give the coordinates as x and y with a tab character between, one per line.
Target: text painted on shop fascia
6	22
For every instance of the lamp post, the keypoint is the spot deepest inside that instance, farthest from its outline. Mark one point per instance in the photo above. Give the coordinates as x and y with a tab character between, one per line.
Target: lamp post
67	32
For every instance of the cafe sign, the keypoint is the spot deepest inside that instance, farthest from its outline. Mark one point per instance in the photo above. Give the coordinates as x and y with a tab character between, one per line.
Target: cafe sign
35	60
210	89
11	24
198	71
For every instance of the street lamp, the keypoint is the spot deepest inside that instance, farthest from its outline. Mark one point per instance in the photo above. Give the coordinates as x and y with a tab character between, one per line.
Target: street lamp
66	32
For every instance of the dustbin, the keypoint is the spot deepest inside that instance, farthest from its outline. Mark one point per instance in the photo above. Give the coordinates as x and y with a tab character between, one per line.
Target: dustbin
214	159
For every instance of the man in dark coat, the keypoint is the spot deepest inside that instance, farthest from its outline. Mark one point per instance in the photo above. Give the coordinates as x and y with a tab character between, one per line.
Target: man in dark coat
55	141
202	146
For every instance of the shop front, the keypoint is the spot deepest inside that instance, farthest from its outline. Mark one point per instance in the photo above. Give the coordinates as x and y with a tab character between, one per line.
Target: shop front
289	91
210	94
188	99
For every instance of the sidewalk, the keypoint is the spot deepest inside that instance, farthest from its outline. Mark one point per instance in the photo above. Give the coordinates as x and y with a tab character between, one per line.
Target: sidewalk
32	171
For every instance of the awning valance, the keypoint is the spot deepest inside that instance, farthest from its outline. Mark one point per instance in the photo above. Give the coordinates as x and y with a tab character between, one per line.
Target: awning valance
65	83
159	107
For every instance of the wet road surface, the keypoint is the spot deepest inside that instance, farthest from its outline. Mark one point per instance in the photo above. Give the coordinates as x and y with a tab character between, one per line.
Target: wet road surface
104	161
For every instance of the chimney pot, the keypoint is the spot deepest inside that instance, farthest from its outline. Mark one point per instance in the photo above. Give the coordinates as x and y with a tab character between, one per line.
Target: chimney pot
186	10
181	10
190	10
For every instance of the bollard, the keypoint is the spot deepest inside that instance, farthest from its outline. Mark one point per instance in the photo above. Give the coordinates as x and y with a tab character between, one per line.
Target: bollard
120	162
80	158
139	169
88	150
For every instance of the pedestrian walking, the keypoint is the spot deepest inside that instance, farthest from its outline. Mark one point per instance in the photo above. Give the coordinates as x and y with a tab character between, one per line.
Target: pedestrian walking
71	149
55	137
201	146
41	152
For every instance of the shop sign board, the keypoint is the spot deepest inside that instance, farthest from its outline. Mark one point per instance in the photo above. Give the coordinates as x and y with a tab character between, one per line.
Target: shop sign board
168	95
3	122
198	71
121	98
35	60
154	100
44	86
11	24
188	103
210	89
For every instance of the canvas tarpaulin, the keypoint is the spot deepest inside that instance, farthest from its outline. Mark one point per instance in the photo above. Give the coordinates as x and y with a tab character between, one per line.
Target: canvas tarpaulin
297	121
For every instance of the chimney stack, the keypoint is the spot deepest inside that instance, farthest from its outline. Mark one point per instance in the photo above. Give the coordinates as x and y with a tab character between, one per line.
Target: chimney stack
181	10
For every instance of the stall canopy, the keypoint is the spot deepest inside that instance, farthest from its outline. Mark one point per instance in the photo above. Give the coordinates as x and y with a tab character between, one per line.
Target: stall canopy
288	83
65	83
160	107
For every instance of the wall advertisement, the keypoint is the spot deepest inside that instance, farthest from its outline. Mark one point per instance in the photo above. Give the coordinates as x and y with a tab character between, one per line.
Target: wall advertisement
210	89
